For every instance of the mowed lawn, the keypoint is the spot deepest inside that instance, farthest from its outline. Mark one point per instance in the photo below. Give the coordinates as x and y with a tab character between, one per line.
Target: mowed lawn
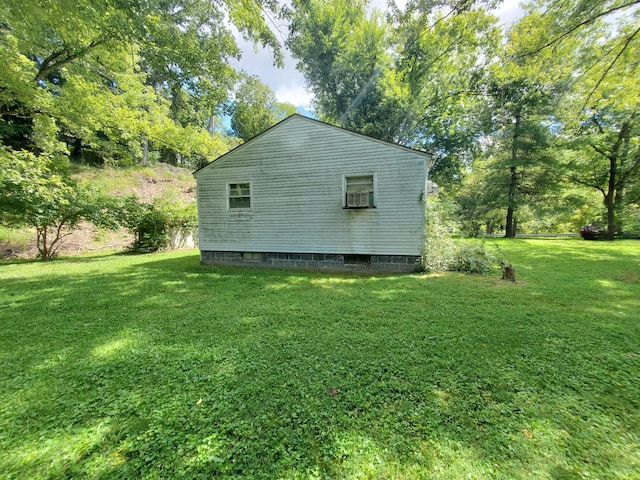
154	366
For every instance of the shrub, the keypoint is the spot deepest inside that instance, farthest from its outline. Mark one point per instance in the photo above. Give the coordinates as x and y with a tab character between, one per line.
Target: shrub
473	258
443	254
439	246
35	192
151	223
151	228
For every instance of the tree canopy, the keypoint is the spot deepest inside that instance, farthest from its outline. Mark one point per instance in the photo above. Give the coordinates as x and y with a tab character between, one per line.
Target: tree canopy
107	78
255	108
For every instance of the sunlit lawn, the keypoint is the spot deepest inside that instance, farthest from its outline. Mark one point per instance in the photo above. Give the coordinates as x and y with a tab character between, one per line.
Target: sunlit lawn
154	366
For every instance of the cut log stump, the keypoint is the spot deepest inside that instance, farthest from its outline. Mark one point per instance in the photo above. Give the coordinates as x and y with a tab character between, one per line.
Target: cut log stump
508	273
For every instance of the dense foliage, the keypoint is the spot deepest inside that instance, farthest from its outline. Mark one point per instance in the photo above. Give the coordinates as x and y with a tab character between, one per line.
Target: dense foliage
153	223
112	83
255	108
443	253
121	82
35	192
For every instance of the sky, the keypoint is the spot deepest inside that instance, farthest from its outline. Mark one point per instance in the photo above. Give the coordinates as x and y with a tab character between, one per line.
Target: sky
289	84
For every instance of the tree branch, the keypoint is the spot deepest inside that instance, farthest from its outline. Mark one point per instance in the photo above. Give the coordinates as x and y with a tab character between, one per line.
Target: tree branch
586	184
594	120
600	151
608	69
632	169
622	134
580	25
635	199
52	62
21	113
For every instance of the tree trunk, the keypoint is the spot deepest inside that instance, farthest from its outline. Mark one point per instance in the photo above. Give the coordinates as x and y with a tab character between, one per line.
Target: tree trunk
610	197
77	149
47	247
510	227
489	228
615	184
611	216
618	204
621	182
145	150
41	242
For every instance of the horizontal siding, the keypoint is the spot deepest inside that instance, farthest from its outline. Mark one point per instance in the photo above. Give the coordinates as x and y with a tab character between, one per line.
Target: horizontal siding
296	170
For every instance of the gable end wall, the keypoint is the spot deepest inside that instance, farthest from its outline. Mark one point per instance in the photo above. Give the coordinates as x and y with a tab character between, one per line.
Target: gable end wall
296	170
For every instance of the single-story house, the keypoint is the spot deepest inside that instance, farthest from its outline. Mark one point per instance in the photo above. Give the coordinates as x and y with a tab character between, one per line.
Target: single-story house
306	194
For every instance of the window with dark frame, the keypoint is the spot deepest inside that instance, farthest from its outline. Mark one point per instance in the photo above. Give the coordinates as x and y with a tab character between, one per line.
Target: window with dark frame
240	196
359	192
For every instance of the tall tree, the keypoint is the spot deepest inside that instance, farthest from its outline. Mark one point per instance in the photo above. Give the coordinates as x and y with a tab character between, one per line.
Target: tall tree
180	48
444	50
521	169
256	108
341	50
605	137
601	41
523	93
412	77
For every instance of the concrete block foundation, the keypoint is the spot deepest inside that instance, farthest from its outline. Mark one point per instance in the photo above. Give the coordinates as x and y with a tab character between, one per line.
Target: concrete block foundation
314	261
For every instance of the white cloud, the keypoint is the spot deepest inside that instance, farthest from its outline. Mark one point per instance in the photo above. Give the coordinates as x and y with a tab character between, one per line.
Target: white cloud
509	11
287	83
297	95
382	4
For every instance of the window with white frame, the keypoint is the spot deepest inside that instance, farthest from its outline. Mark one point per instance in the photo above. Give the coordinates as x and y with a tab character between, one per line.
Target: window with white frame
359	191
239	196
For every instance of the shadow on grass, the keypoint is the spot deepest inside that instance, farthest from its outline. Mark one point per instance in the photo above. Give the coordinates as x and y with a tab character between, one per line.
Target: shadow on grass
160	367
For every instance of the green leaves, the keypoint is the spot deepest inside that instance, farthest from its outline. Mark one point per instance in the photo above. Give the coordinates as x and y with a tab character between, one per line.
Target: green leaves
343	56
444	77
36	192
33	192
413	77
108	77
256	108
153	223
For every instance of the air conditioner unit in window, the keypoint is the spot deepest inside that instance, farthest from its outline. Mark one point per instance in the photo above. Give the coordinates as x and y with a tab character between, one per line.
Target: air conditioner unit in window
360	199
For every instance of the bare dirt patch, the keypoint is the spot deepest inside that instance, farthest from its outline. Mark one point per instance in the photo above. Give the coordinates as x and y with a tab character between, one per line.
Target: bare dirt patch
85	239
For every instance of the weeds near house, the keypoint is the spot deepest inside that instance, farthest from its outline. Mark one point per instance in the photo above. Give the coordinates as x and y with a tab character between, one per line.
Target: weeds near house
443	254
439	248
157	367
474	257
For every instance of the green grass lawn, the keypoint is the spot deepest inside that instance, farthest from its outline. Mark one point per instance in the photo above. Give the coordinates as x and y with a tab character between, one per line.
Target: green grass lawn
154	366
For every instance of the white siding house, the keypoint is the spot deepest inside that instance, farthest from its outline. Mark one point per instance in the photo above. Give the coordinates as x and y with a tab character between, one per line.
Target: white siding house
311	195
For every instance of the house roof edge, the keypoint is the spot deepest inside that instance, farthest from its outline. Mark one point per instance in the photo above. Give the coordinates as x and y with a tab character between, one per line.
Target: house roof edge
313	120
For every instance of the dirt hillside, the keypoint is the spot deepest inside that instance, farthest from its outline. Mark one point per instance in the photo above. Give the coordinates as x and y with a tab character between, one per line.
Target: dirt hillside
147	183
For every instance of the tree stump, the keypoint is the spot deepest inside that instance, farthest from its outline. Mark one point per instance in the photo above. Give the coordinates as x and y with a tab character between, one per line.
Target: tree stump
508	273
